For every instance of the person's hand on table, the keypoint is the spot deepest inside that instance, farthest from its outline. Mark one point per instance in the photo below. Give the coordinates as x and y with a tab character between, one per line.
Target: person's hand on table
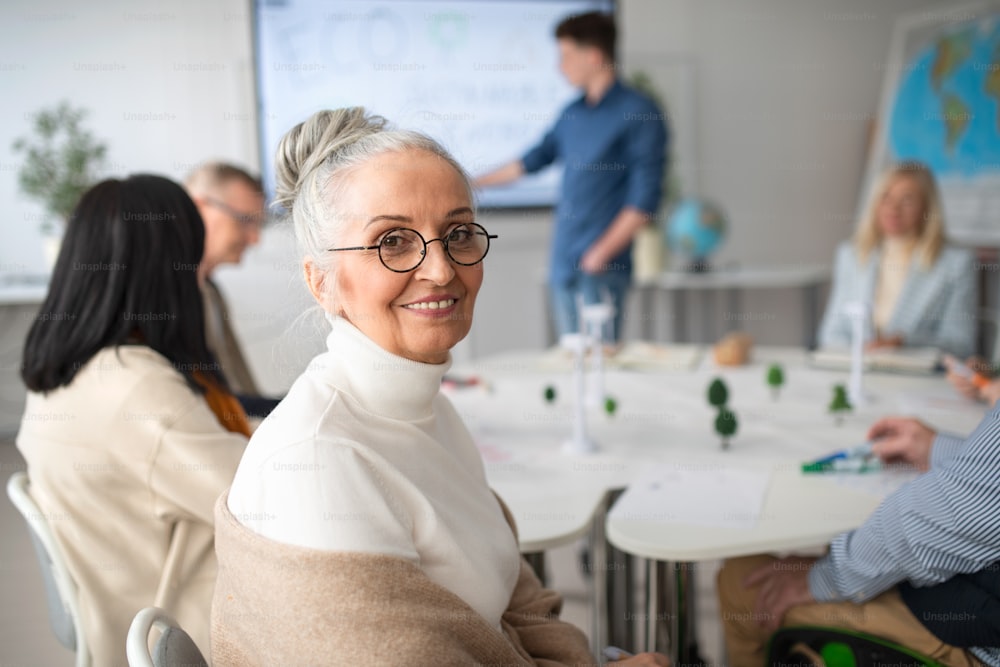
966	386
784	583
643	660
959	377
902	440
885	343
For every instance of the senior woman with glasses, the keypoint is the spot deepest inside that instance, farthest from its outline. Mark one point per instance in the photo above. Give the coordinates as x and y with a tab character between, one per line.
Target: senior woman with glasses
360	528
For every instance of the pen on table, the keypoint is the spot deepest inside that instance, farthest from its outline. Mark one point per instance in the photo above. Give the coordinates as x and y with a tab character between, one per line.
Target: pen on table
613	653
843	465
861	451
978	380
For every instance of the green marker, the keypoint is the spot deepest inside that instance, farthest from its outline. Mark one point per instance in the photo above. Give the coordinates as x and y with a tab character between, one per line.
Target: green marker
854	465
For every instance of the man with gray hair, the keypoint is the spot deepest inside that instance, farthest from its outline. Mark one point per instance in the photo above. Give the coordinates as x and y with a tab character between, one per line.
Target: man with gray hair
231	203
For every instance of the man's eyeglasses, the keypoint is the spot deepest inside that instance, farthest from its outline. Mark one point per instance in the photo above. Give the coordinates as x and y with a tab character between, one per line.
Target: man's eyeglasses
403	249
245	219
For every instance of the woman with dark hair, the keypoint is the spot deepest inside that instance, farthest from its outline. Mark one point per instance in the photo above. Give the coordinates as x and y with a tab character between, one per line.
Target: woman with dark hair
130	432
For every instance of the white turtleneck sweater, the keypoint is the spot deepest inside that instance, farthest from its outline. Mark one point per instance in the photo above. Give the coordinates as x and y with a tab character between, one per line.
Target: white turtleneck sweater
365	454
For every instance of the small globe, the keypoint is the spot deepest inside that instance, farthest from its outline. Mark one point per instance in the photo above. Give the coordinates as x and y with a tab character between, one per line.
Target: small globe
695	229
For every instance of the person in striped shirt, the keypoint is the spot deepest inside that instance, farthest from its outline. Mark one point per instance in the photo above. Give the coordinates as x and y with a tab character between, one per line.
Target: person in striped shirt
922	571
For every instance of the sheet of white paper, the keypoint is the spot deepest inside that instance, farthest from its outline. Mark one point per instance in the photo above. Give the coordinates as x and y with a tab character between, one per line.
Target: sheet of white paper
635	356
879	484
716	497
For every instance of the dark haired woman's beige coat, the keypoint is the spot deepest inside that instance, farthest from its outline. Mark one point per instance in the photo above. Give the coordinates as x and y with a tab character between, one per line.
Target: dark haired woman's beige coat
116	460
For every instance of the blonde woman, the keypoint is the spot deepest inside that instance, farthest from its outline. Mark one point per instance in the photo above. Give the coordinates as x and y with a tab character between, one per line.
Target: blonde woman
921	291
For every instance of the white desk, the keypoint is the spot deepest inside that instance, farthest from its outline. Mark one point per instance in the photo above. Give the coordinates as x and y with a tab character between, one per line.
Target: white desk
733	280
799	512
664	417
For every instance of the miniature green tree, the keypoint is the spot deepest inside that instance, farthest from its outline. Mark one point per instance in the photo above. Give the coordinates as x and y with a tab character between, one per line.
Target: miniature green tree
550	394
725	421
839	405
726	425
610	406
718	394
775	378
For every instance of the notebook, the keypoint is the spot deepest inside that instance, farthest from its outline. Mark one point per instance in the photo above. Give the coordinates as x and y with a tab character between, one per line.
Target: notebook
916	360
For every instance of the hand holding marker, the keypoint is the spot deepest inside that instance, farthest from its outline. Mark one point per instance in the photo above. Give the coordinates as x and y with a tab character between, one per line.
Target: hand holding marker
978	380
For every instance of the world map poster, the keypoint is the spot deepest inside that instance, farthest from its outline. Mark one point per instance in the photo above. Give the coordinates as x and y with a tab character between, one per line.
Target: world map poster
941	106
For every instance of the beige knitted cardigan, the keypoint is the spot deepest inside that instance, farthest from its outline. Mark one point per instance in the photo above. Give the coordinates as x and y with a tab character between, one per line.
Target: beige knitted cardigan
277	604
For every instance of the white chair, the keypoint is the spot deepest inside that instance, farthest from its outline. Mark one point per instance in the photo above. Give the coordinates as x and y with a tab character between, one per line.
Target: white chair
174	648
60	589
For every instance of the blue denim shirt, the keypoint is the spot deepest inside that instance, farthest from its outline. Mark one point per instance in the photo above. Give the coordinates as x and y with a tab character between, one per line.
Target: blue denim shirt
614	155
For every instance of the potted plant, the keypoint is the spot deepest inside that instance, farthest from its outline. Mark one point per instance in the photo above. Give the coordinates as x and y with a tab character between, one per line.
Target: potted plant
61	161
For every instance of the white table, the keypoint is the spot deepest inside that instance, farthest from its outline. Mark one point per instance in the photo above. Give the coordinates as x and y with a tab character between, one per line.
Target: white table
733	280
664	417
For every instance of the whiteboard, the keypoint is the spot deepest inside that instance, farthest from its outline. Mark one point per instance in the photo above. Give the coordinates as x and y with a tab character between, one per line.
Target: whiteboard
480	76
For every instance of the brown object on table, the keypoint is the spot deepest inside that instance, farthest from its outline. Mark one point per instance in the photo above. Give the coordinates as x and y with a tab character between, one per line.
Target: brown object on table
734	349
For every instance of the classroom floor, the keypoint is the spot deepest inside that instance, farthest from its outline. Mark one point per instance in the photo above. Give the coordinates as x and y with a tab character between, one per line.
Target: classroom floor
27	641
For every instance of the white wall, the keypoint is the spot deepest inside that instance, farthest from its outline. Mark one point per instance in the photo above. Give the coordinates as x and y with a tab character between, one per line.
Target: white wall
784	94
168	84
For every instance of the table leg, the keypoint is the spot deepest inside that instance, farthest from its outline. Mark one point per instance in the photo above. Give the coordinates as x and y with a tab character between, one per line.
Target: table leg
735	303
551	337
646	316
613	585
670	613
536	559
708	332
810	310
680	317
620	585
598	579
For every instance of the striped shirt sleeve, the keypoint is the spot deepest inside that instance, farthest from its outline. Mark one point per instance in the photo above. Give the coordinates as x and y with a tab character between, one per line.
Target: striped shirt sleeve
946	446
945	522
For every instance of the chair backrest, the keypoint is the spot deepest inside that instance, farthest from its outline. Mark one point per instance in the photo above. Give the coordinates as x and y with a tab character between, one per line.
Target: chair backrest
835	647
174	648
60	589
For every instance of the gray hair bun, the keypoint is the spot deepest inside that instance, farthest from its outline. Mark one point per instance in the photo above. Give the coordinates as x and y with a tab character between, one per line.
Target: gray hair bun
308	145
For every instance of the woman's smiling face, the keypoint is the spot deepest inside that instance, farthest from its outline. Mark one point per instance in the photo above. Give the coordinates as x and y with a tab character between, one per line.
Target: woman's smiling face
420	314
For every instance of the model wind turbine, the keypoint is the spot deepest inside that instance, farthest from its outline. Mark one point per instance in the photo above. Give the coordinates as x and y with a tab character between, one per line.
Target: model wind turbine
858	312
596	317
579	442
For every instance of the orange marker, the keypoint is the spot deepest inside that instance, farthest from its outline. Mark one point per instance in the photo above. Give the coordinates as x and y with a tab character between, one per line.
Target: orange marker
978	380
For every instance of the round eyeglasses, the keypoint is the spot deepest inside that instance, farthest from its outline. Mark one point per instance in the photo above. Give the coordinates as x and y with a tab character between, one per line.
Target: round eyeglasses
403	249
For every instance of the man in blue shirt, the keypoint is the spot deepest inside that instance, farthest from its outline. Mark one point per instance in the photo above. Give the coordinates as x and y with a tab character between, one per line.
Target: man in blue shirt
612	146
923	570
